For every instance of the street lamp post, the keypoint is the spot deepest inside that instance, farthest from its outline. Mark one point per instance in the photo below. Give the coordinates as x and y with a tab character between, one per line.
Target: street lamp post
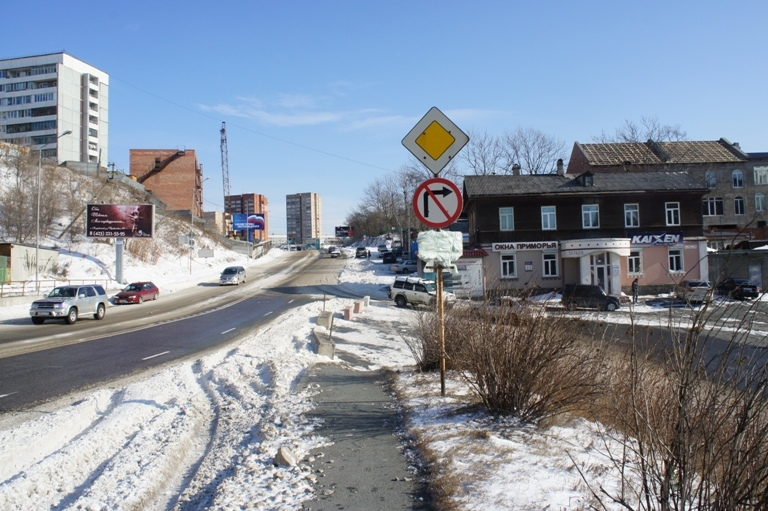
37	234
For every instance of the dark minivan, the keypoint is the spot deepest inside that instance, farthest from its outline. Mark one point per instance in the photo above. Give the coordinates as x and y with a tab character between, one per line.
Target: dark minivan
588	297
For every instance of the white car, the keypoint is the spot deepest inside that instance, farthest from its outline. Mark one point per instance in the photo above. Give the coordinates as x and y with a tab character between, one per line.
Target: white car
409	266
232	275
334	251
416	291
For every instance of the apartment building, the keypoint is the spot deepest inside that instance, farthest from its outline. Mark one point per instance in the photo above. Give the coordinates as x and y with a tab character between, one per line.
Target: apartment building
304	217
44	96
734	207
250	204
545	231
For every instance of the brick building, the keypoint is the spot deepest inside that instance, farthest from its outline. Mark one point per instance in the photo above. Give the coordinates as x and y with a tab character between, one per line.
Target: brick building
173	176
250	204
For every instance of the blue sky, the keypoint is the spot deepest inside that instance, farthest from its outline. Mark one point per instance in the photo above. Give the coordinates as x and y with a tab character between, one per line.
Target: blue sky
317	95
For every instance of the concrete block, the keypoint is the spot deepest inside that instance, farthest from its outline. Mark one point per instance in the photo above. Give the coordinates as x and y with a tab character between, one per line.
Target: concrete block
324	319
348	312
367	301
323	344
358	307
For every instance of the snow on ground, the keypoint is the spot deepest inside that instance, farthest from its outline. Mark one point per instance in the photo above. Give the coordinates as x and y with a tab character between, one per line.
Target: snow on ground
203	434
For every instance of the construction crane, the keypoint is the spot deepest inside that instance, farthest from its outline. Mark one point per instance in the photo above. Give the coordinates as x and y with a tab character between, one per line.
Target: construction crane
224	163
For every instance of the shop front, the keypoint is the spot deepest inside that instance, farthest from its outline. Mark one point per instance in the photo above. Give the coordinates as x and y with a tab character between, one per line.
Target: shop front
596	262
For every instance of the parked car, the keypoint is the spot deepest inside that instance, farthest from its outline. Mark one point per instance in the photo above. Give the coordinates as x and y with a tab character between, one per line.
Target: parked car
409	266
69	303
232	275
137	292
738	289
334	251
416	291
383	248
388	258
587	296
361	252
694	291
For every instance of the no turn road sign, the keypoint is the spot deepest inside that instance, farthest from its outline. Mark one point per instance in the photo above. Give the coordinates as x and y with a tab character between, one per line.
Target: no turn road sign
437	202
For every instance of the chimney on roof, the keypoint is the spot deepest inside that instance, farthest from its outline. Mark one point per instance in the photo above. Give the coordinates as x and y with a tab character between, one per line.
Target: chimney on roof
516	169
560	169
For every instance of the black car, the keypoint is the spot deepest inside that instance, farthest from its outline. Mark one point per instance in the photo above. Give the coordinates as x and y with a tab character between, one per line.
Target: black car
738	289
388	258
588	297
361	252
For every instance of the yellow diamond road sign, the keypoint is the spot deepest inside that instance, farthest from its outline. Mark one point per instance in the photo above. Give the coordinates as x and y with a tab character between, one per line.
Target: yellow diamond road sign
435	140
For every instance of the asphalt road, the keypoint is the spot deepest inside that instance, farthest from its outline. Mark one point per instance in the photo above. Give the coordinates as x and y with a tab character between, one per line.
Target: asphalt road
42	362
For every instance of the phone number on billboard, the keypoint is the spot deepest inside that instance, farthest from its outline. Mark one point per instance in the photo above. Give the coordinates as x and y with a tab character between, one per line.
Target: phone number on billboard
107	234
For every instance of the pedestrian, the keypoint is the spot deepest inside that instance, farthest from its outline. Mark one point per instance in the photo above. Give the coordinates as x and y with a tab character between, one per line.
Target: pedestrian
634	290
368	253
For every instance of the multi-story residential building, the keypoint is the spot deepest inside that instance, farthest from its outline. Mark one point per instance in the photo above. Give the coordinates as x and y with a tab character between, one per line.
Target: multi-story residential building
250	204
734	207
544	231
304	217
43	96
171	175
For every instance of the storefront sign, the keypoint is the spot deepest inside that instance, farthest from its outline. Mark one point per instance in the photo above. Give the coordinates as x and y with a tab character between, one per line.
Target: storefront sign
657	238
525	245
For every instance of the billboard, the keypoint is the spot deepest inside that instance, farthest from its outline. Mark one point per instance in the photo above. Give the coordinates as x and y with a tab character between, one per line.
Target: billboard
120	220
344	231
243	222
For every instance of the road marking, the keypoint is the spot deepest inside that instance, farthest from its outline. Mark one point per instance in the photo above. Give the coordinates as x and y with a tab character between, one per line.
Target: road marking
6	395
158	355
291	300
227	331
268	313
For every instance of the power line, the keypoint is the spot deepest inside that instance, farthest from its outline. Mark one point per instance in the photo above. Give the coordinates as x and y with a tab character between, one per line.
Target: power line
249	130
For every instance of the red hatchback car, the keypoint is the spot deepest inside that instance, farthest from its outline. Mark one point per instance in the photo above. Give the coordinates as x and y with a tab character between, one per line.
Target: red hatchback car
137	293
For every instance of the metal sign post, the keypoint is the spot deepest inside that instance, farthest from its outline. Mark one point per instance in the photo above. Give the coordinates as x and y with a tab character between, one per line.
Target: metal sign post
441	326
435	141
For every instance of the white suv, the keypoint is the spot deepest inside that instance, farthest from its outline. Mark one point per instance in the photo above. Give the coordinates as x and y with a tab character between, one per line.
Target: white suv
416	291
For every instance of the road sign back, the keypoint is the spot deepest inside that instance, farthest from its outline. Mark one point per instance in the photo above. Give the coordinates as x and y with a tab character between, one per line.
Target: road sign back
437	202
435	140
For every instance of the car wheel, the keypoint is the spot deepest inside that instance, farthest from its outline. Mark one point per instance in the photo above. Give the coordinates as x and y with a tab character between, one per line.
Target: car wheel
141	299
400	301
100	311
154	296
72	316
38	321
610	306
571	306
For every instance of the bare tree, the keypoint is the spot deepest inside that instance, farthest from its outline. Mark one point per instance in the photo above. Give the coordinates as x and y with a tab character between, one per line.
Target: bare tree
534	151
649	128
484	155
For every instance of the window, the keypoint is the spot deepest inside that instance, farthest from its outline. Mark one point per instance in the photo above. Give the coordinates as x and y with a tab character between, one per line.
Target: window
508	265
710	178
738	205
548	218
759	202
590	216
675	260
738	179
550	265
761	175
673	213
634	262
712	206
631	215
507	219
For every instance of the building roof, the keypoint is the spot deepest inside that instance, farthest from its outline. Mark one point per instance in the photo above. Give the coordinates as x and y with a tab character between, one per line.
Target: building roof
659	153
551	184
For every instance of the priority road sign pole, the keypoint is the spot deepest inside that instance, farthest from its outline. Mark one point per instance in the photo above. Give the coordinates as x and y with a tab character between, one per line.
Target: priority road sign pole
441	323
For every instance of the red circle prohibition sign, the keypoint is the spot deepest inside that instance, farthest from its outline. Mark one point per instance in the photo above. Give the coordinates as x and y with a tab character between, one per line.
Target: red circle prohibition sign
437	202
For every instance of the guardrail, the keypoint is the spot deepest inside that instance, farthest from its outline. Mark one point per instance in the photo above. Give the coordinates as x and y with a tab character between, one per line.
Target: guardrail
25	287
